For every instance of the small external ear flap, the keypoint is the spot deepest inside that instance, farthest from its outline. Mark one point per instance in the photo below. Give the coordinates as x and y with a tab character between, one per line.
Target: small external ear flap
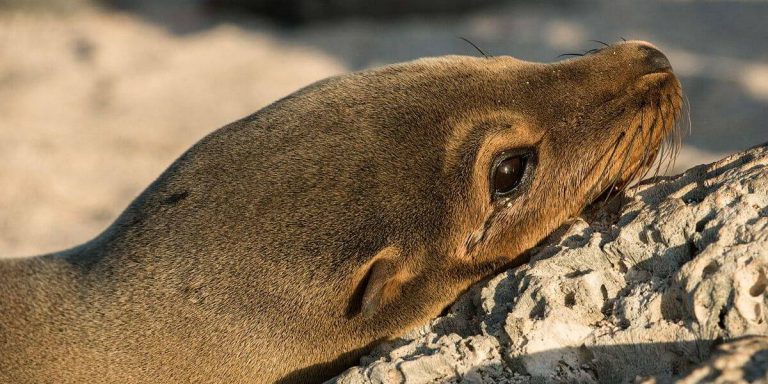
378	283
382	287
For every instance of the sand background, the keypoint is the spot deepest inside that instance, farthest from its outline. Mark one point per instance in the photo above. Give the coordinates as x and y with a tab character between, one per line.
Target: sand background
96	101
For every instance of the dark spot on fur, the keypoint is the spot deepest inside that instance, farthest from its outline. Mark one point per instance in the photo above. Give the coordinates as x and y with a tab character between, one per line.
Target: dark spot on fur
176	197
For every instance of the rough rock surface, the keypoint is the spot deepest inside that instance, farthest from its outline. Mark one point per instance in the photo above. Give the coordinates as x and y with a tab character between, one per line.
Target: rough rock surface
743	360
645	293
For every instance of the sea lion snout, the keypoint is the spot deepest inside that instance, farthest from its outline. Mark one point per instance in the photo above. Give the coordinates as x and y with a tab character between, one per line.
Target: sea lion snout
624	62
655	60
648	56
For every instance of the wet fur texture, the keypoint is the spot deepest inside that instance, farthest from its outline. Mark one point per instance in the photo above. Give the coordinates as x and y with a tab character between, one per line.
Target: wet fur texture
284	245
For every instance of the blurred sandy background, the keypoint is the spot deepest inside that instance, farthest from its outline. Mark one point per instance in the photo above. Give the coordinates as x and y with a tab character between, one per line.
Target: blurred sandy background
96	100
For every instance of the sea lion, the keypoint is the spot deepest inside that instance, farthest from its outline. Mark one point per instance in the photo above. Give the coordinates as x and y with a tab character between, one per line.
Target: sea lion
286	244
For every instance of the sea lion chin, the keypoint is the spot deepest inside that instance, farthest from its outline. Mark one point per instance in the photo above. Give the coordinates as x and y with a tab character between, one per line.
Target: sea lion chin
285	245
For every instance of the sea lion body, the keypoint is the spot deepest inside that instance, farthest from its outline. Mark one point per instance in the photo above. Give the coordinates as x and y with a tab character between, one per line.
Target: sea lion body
285	245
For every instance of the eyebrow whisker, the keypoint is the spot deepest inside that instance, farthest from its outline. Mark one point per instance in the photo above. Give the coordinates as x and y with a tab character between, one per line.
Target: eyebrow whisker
569	54
475	46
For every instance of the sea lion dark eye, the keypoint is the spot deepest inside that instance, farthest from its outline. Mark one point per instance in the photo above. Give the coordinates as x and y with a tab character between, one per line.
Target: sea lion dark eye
507	174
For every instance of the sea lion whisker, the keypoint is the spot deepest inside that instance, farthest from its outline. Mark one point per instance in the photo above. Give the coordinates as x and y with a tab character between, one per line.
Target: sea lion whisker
650	141
668	146
653	151
643	165
642	168
687	104
671	152
604	173
624	162
595	190
678	127
569	54
668	140
649	165
650	149
600	42
599	181
675	134
475	46
662	154
677	144
639	128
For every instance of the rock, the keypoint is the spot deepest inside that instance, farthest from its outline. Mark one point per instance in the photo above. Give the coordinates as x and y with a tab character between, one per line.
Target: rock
744	360
643	293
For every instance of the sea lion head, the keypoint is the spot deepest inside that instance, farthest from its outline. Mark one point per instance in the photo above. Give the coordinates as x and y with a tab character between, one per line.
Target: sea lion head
555	137
499	152
364	203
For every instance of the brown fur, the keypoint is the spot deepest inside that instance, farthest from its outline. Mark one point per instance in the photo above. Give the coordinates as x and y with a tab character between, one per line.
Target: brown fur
284	245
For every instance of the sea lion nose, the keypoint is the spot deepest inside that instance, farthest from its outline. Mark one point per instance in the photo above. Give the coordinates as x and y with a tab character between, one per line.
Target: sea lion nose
654	59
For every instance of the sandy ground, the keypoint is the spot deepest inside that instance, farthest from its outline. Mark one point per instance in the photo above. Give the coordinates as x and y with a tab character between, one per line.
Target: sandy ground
95	103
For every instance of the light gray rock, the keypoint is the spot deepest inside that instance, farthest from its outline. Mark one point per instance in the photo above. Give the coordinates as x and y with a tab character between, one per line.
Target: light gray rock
643	293
743	360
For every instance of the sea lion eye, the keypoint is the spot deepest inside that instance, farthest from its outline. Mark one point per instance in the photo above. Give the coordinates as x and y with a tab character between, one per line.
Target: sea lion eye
507	174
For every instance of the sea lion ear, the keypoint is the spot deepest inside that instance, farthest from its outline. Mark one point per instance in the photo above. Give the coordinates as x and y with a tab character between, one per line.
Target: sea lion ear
381	287
382	284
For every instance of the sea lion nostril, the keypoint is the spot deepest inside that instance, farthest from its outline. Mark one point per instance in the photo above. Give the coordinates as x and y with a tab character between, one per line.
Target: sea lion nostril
660	62
656	60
